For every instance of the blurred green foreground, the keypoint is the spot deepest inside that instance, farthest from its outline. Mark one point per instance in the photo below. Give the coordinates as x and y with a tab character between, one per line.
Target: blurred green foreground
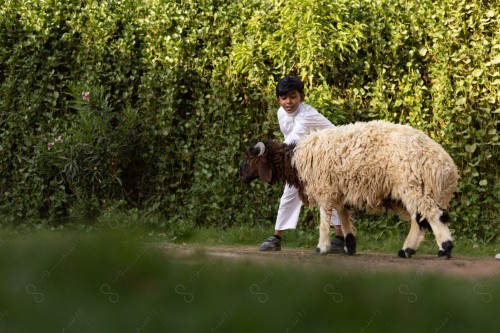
78	283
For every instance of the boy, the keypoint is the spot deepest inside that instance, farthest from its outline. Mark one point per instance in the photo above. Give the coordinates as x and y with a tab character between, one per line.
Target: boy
296	119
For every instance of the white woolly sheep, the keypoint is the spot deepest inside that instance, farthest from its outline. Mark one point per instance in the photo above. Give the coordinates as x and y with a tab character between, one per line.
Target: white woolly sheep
367	165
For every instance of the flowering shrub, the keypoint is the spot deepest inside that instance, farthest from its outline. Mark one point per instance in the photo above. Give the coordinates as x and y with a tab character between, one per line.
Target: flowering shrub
86	96
51	144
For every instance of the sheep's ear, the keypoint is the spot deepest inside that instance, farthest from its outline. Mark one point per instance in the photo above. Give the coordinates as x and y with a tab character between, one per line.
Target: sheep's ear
265	171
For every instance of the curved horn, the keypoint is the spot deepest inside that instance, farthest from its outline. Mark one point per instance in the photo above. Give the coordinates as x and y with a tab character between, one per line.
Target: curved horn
261	147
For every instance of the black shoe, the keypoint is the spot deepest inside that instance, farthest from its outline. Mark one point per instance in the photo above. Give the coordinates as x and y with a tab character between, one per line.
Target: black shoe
337	247
273	243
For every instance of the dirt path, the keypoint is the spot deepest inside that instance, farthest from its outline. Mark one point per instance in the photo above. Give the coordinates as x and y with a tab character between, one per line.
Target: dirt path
470	267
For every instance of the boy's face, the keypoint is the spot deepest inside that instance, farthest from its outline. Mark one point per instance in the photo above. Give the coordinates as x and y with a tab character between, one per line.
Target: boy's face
291	101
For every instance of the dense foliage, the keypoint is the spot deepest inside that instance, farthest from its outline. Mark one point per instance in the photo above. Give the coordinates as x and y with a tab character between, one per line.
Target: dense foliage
148	105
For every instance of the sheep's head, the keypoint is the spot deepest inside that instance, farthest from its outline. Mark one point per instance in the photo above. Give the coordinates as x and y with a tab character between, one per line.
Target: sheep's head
256	164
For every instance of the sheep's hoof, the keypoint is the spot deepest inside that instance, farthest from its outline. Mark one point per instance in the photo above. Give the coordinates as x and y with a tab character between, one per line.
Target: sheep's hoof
406	253
323	253
442	255
350	244
445	253
350	252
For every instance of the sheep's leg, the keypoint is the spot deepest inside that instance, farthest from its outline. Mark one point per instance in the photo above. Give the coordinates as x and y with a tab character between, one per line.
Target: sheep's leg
412	241
347	230
428	215
438	222
324	231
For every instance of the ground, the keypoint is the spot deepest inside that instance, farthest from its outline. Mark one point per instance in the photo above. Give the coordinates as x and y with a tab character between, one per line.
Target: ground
472	267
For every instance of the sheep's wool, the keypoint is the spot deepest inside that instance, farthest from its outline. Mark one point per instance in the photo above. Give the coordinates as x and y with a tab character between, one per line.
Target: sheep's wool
360	165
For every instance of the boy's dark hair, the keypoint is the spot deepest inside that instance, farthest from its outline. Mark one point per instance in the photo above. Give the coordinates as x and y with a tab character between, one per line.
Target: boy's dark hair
289	84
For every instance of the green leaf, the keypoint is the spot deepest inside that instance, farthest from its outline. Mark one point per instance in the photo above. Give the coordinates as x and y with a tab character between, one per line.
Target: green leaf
470	148
477	72
495	60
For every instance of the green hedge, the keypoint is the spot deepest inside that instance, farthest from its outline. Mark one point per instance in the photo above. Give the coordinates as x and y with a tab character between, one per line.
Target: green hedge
178	90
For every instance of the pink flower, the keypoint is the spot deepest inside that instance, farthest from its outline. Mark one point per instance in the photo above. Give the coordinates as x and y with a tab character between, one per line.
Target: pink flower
50	145
58	139
86	96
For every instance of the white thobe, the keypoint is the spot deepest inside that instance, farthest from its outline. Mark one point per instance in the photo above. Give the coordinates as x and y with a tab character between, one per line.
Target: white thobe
294	126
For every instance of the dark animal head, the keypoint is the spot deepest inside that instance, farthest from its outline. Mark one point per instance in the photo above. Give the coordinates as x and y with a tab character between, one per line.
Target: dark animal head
256	164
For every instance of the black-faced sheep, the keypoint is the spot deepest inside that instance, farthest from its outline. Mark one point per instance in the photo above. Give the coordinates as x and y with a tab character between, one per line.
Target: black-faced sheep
373	166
